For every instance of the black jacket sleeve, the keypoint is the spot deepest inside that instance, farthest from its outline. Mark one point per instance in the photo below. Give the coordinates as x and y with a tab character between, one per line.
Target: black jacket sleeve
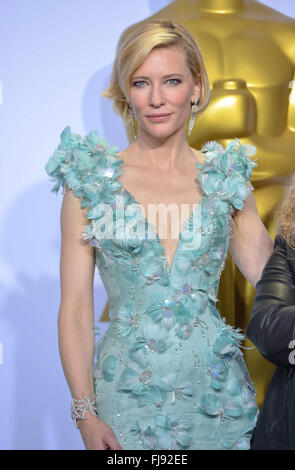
272	324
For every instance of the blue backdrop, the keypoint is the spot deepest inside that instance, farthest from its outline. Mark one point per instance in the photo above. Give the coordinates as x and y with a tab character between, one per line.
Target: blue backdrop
55	59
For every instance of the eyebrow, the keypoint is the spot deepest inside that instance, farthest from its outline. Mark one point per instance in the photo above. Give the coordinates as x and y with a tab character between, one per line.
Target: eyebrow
165	76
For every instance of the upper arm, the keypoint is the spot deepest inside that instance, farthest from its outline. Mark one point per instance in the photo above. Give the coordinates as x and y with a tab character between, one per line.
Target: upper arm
250	244
76	260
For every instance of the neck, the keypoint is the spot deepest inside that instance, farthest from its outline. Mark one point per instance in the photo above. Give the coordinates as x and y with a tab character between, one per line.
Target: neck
161	153
221	6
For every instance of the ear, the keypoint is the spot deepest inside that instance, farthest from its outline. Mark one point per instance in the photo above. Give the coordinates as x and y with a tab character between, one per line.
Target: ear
197	89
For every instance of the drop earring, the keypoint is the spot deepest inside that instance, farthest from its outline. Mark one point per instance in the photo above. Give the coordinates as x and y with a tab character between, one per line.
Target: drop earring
194	111
132	115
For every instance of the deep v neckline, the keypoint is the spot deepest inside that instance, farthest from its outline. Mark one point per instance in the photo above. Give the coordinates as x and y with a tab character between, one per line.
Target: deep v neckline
124	190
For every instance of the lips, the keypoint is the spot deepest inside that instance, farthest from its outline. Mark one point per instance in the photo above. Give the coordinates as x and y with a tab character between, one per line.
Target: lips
159	117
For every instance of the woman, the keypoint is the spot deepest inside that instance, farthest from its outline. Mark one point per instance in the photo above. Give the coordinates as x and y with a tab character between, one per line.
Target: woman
272	330
169	373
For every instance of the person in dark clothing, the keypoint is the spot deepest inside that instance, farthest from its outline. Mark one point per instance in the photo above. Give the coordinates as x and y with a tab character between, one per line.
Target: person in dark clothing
272	330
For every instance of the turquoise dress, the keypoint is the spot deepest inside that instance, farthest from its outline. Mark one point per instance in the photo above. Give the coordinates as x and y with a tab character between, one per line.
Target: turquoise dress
169	372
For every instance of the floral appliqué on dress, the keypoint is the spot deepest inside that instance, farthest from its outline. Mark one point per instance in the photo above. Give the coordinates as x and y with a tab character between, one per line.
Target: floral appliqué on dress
169	372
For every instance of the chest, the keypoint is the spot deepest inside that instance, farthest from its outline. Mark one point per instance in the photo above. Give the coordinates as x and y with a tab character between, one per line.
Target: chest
165	198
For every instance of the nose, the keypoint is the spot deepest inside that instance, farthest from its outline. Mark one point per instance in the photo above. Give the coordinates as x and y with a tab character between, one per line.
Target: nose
156	96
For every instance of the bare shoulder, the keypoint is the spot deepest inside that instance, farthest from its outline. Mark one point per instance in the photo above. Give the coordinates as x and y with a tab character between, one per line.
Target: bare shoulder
119	154
199	155
124	155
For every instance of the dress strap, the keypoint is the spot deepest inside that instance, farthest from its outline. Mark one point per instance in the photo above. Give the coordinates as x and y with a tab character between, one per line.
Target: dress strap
226	172
89	167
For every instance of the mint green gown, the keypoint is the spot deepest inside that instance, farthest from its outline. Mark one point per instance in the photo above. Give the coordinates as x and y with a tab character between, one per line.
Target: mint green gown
169	372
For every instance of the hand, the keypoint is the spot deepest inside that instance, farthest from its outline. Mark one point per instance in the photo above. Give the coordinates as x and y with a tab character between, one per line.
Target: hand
97	435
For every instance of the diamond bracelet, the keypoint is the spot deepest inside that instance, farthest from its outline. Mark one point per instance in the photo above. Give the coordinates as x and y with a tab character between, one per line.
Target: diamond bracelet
79	408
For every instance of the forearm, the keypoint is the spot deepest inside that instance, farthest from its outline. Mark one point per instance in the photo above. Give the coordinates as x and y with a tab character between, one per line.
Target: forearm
76	346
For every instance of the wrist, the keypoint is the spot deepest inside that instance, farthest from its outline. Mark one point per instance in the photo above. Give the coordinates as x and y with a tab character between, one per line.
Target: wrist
84	423
82	407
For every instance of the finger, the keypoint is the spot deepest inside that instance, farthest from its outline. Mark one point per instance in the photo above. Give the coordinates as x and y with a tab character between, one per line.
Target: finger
113	443
102	446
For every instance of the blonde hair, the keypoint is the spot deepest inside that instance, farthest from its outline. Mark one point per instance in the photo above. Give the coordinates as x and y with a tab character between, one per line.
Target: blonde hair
285	215
134	46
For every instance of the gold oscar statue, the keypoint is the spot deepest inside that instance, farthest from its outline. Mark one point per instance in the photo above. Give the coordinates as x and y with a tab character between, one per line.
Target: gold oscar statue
249	54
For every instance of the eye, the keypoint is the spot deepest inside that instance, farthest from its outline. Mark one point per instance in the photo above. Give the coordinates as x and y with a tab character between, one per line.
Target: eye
138	84
174	81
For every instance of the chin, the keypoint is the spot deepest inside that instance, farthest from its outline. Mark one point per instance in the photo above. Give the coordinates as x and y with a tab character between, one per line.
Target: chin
162	133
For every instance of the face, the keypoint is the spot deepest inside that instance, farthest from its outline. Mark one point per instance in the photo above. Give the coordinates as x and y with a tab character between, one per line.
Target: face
162	90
